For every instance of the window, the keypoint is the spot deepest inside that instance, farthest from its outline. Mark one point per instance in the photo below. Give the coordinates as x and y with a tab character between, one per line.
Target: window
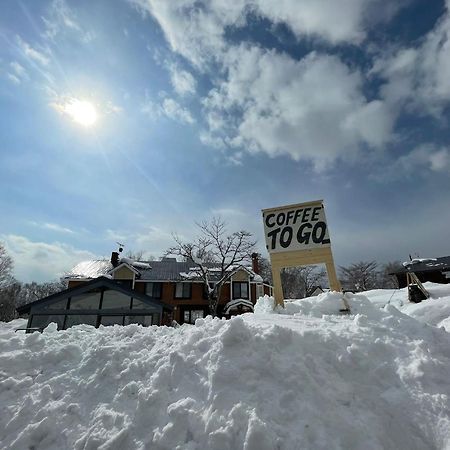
115	300
191	315
125	283
111	320
41	321
91	300
61	304
183	290
153	289
259	291
78	319
139	304
240	289
145	321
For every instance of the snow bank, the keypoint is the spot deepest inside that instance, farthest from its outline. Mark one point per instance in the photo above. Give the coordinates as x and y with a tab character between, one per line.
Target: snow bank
434	311
329	303
302	379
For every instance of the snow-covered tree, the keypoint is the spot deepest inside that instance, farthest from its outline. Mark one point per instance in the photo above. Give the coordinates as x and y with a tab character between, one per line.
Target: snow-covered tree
215	244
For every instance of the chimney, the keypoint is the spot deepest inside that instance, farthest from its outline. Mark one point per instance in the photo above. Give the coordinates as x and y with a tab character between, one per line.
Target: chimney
115	259
255	263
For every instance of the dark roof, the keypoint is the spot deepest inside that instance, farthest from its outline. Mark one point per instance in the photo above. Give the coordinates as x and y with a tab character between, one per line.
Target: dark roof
165	270
441	264
93	284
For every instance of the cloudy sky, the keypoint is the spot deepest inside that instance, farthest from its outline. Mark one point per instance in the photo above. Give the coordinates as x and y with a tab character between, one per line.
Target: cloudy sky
129	120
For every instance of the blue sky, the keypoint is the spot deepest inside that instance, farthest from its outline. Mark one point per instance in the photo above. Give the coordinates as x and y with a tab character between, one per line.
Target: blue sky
212	108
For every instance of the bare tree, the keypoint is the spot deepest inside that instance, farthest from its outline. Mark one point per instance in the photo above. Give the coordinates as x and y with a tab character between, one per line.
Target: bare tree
6	267
360	276
141	255
214	244
8	286
8	296
265	269
388	281
299	281
30	292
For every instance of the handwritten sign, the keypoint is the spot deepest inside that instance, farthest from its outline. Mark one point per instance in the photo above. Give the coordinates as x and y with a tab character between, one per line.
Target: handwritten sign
296	227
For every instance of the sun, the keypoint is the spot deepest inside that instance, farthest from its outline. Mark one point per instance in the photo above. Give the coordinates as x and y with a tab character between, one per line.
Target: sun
81	112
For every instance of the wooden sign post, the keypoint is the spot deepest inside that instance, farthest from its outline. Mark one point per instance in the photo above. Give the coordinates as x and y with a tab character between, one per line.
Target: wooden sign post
297	235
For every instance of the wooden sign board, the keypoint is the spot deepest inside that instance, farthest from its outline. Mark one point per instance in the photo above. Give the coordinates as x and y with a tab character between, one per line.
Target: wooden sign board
297	235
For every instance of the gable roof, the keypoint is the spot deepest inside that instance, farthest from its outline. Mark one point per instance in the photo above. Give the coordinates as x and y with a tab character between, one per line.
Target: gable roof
127	265
89	285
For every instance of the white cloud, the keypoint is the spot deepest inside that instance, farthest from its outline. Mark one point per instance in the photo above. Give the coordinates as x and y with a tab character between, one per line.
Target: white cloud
440	160
152	240
53	227
31	53
169	108
13	78
419	77
313	108
60	18
334	21
264	101
18	69
182	81
175	111
196	29
426	156
421	160
41	261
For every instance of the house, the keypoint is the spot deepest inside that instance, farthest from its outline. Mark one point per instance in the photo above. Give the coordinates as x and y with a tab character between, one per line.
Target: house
317	290
436	270
122	291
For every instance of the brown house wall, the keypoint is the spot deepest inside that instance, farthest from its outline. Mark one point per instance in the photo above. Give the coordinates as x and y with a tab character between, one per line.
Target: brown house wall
74	283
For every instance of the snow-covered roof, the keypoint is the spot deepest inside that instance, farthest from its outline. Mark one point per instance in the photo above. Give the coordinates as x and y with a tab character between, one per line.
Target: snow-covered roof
233	304
165	270
426	265
136	264
90	269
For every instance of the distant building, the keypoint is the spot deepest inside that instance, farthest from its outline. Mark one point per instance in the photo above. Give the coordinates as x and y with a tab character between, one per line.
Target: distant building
436	270
122	291
316	290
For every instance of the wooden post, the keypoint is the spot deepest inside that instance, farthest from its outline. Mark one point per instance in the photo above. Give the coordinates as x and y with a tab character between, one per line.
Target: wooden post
302	258
297	235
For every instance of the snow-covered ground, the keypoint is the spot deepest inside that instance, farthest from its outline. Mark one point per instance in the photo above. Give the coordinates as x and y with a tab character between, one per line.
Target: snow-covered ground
305	378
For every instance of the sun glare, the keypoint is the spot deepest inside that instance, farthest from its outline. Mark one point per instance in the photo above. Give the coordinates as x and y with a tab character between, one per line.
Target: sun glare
81	111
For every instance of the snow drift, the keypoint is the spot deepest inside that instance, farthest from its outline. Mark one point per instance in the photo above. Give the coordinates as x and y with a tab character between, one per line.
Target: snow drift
304	379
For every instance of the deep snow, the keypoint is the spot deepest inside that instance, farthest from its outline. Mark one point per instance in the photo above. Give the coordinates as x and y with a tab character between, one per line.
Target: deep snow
304	378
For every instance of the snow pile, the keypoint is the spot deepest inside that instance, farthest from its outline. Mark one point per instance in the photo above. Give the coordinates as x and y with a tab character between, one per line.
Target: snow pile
434	311
328	303
301	379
